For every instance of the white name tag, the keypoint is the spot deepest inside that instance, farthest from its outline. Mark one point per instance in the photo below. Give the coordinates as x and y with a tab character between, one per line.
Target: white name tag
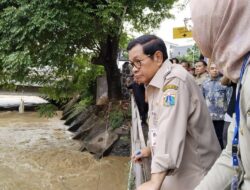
153	135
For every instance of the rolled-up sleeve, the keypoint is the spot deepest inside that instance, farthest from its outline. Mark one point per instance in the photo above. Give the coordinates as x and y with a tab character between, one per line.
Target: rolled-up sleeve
172	130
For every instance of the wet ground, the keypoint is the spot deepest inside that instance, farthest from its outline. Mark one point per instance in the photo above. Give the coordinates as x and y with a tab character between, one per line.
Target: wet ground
39	154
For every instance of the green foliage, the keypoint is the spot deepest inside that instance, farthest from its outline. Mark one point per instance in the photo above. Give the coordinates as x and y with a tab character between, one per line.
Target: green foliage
131	179
116	119
119	114
80	79
84	103
192	55
124	40
46	110
64	36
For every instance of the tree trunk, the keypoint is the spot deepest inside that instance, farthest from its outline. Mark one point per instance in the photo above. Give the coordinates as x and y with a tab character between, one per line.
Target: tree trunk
108	58
111	68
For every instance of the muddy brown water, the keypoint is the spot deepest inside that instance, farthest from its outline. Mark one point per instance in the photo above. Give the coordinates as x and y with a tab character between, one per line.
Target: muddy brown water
39	154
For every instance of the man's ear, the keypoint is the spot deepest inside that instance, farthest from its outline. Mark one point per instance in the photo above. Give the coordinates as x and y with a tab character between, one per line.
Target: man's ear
158	58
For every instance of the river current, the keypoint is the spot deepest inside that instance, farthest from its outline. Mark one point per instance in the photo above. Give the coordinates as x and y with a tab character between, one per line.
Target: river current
38	154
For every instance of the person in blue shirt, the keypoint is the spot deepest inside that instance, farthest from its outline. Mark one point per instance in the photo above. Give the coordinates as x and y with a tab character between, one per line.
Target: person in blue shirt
217	98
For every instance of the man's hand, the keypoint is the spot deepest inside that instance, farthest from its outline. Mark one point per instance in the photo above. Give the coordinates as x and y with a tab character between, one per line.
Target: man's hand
155	182
143	153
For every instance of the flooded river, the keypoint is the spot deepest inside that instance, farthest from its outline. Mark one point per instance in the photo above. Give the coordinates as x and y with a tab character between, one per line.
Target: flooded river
38	154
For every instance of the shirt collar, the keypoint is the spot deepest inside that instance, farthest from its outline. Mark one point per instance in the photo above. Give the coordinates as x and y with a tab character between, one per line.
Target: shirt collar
202	75
160	76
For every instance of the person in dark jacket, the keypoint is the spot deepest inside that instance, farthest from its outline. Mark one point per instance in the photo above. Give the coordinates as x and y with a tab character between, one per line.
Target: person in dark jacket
139	94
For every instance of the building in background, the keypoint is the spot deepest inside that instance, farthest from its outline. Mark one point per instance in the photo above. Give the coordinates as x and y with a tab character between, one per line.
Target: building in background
179	51
175	50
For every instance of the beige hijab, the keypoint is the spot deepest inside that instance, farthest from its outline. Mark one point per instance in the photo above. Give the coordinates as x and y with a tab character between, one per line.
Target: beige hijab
222	32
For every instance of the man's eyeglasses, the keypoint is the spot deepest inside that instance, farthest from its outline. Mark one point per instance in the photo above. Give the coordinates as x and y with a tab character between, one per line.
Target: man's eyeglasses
137	63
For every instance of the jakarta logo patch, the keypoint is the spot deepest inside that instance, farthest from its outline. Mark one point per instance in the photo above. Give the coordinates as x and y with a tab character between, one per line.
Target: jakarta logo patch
169	99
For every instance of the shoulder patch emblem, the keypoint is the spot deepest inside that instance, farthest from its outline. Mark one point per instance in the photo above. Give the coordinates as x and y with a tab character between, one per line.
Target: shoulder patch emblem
169	99
169	86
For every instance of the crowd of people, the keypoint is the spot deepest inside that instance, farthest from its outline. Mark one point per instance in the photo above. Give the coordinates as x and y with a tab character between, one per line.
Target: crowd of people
216	92
189	112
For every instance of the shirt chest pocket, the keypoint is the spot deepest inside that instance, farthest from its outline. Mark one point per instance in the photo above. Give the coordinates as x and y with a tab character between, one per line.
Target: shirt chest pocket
154	117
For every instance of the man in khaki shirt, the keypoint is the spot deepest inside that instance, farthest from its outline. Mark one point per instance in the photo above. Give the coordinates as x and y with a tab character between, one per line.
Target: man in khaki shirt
201	72
182	140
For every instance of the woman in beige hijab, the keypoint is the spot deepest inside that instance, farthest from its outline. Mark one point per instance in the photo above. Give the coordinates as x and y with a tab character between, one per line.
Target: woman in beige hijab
222	31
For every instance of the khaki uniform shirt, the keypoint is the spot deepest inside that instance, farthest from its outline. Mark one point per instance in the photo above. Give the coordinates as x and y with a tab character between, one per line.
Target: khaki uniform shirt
202	78
181	133
220	176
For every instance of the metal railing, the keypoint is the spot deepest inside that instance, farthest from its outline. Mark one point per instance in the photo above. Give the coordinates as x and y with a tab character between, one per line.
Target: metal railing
139	173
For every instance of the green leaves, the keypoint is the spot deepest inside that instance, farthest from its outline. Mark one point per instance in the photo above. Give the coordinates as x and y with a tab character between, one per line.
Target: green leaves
47	110
64	35
192	55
